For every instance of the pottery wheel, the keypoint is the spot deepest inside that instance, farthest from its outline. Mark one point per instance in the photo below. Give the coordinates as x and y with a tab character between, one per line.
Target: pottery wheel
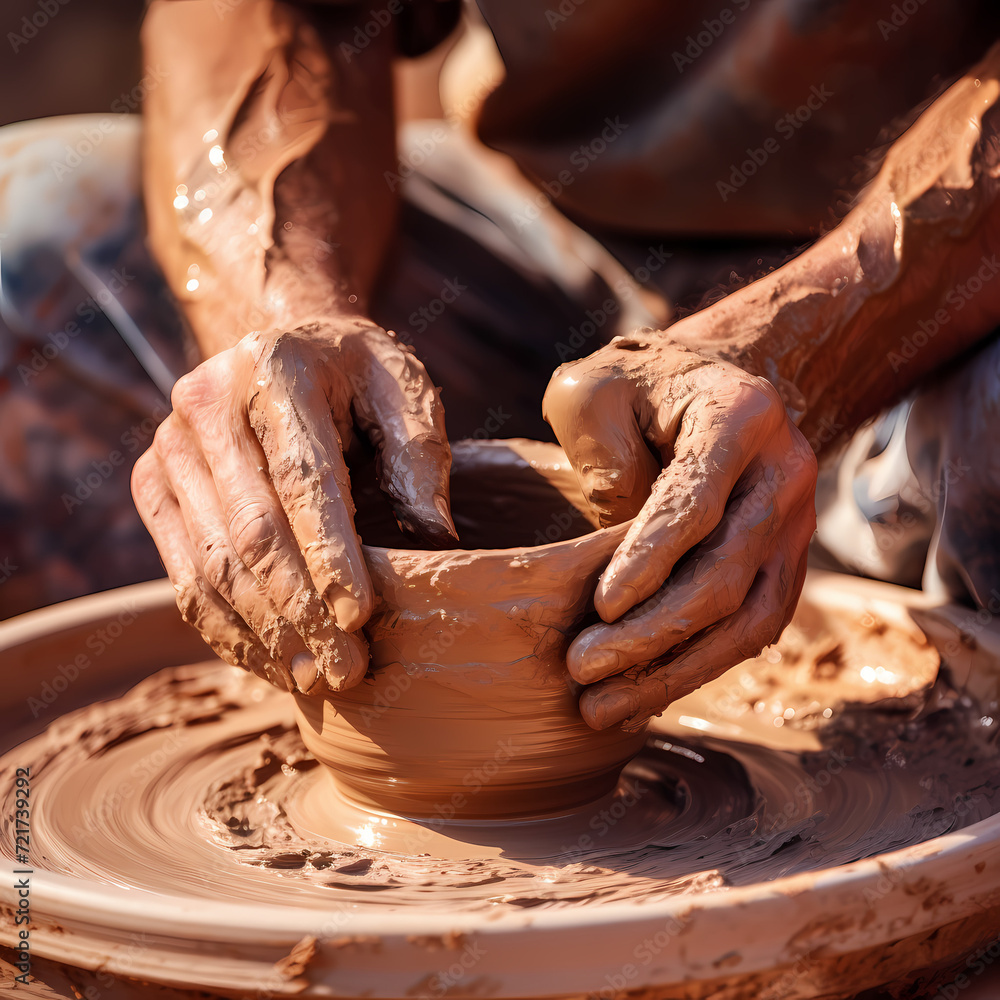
196	782
194	788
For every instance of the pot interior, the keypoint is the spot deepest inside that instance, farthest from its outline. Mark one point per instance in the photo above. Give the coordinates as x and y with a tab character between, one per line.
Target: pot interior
504	494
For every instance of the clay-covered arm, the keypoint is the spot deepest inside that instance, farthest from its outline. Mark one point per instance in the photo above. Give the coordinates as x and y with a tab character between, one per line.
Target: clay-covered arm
677	429
909	279
266	142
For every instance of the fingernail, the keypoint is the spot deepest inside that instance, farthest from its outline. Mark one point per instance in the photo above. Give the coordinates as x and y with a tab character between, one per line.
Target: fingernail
614	598
598	665
603	481
345	607
305	671
261	665
281	679
428	523
345	659
443	509
612	708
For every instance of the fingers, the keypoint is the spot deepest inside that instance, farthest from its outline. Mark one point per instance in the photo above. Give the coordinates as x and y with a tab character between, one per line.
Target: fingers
254	537
291	417
398	406
337	657
708	586
758	622
718	436
592	414
200	604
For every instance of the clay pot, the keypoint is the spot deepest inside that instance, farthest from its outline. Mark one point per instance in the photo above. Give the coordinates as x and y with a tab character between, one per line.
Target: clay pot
468	710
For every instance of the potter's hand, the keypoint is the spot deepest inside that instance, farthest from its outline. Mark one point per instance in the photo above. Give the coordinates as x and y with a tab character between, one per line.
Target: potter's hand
720	484
246	492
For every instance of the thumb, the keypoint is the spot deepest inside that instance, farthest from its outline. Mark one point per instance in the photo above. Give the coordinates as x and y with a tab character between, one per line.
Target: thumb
593	415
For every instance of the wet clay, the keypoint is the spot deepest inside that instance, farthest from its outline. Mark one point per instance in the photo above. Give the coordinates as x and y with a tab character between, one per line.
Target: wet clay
204	766
468	655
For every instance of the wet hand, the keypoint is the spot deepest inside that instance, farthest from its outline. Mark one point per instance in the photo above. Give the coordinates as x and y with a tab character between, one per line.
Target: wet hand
246	493
720	484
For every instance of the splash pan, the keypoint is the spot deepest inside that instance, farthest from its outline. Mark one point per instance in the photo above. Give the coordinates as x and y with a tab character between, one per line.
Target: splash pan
809	825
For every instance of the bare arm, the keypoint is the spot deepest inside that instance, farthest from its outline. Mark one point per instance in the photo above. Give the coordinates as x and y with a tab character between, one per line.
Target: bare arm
265	148
264	158
713	564
907	281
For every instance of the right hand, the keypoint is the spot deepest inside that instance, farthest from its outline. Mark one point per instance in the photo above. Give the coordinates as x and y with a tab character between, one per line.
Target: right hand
246	493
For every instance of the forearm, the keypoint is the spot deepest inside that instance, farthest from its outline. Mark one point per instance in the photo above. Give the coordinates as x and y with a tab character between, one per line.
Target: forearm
906	282
264	156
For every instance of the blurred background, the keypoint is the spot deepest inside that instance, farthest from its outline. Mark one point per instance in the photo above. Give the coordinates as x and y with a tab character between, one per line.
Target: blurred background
63	57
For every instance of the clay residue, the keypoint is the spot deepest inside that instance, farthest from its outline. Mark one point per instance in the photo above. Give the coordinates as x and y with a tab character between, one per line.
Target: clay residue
201	766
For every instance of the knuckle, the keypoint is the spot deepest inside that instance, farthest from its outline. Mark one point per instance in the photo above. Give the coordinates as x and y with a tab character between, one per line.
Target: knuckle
731	599
144	474
810	463
763	405
188	392
563	397
275	353
752	638
255	534
190	600
168	438
218	564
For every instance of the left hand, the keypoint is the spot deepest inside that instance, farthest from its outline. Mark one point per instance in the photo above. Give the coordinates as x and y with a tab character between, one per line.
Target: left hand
721	485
